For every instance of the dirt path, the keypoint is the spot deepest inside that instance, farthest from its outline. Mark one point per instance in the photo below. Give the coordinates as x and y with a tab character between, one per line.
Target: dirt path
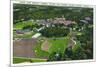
72	43
45	45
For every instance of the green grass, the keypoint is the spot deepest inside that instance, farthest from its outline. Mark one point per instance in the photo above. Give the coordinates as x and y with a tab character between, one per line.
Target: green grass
20	60
39	52
79	33
58	45
20	25
38	60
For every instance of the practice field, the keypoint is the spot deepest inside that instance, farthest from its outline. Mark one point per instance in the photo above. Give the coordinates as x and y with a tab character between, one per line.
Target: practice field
25	33
46	45
43	49
58	45
40	53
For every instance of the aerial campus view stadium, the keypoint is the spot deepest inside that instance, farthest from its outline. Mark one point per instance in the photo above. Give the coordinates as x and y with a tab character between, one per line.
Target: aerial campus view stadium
51	33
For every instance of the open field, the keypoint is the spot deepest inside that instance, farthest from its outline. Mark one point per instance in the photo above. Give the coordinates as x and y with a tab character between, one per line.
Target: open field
20	25
58	45
39	52
52	45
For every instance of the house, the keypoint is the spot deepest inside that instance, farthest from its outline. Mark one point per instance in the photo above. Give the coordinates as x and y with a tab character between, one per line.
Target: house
36	35
50	22
88	18
67	22
19	32
62	21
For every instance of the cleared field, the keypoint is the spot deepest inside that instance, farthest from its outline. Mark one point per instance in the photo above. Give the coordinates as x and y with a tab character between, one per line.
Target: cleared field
46	45
43	49
24	48
39	52
58	45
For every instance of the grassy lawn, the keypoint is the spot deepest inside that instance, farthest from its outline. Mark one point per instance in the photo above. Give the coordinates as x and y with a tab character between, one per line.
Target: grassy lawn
39	52
58	45
20	25
21	60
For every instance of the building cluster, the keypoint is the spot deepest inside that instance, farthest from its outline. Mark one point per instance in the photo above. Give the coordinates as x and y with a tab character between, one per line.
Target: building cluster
50	22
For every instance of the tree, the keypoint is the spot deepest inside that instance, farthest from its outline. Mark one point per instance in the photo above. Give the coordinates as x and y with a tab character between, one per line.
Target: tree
54	31
68	52
78	52
57	56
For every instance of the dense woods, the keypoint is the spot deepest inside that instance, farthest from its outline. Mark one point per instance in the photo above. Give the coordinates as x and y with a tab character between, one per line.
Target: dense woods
27	12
